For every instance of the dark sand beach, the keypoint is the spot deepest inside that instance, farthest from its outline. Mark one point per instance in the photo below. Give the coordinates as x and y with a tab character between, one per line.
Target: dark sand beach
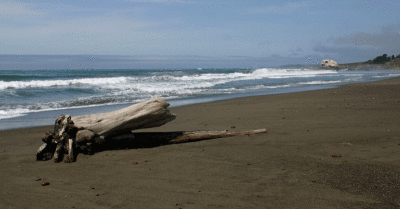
335	148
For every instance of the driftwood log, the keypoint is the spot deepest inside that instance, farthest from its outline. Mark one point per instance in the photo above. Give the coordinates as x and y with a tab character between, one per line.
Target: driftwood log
91	133
148	114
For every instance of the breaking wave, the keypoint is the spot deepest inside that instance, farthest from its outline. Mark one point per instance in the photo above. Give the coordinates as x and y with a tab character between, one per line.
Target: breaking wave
27	92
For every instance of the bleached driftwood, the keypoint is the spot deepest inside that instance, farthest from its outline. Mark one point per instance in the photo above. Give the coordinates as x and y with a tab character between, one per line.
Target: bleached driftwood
92	133
84	131
61	143
148	114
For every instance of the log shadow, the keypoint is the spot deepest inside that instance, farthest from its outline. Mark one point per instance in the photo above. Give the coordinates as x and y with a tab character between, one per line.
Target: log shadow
138	140
95	143
156	139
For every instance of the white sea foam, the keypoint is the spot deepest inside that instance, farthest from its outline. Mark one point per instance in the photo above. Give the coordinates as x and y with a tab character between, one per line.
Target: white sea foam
290	73
319	82
386	76
118	90
257	74
13	113
260	87
58	83
17	112
167	81
173	84
192	82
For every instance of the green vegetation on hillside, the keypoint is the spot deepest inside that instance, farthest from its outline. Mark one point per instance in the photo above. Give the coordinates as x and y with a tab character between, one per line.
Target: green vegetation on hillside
382	59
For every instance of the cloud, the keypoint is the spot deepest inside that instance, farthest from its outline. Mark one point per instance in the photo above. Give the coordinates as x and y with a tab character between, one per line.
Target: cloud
94	34
158	1
345	54
96	25
299	49
362	46
11	9
12	62
285	9
387	40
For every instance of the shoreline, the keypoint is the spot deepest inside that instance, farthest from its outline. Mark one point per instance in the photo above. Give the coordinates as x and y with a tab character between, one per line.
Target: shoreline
331	148
50	115
37	112
182	103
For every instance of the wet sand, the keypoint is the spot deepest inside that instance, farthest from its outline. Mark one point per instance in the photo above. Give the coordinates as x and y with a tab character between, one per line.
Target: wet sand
335	148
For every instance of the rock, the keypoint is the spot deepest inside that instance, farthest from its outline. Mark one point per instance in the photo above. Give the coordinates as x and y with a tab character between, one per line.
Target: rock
329	63
45	183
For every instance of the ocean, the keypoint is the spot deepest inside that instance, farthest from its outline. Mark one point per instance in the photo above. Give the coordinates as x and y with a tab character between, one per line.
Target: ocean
36	97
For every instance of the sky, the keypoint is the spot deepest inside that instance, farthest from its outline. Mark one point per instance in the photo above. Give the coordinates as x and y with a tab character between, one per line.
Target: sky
250	33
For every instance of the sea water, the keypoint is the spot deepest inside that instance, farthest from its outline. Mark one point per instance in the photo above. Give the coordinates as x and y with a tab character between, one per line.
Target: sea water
36	97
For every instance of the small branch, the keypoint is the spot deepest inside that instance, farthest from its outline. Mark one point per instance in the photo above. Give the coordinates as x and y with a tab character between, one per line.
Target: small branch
203	135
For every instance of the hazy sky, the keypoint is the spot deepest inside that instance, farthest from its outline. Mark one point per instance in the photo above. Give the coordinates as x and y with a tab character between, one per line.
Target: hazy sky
281	32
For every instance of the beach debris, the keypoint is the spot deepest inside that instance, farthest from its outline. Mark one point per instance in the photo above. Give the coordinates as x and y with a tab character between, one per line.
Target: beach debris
135	163
346	143
45	183
91	133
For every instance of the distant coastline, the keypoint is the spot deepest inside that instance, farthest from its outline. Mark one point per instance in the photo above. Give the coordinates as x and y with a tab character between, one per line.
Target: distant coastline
349	66
355	66
381	62
359	65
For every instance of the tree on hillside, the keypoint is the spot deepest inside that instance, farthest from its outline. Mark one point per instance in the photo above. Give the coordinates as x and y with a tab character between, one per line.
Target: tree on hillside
381	59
